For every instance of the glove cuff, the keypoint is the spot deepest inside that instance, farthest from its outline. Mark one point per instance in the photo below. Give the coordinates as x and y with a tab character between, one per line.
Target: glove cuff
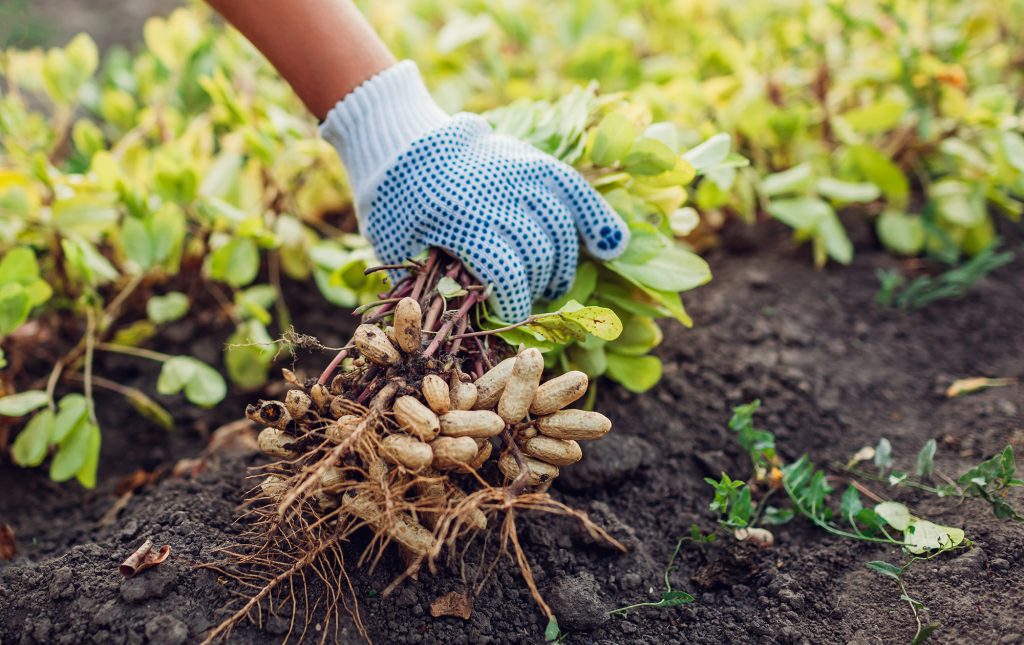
377	122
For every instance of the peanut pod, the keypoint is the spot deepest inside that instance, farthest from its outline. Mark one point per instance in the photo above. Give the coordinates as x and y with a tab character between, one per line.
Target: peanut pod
343	427
464	395
401	528
373	343
407	451
490	386
471	423
408	318
558	452
483	453
275	443
559	392
539	472
321	396
437	393
574	424
515	399
269	413
297	403
416	418
274	487
453	452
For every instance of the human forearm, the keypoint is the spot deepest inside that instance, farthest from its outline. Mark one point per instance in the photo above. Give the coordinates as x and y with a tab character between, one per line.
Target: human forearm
323	48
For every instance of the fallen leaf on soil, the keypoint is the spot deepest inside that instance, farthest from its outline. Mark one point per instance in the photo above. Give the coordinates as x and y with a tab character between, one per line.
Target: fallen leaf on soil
759	537
8	547
144	558
964	386
452	604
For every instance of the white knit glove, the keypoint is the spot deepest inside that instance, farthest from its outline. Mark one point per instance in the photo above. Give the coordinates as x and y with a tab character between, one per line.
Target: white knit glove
421	178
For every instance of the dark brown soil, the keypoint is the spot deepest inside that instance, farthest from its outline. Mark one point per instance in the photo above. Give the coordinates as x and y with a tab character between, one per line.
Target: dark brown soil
835	373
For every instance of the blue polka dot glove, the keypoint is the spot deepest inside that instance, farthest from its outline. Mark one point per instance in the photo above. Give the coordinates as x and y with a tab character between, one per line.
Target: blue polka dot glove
422	178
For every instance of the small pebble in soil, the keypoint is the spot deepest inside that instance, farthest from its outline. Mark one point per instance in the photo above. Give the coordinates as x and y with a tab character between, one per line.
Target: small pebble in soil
576	601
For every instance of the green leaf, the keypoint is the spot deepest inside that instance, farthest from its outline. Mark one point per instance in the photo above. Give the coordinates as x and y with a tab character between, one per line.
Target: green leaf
649	157
613	139
203	385
15	305
73	410
876	117
167	308
20	404
29	449
598	321
850	503
926	459
640	335
593	361
86	475
236	263
449	288
922	536
89	265
797	179
674	599
551	632
883	455
582	287
575	322
249	354
901	233
672	268
881	171
709	153
150	409
73	452
847	191
895	514
959	202
1013	147
635	373
885	569
19	266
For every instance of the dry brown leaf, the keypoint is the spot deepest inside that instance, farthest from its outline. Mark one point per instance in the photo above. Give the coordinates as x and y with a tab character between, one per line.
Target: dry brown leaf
8	547
964	386
144	558
454	603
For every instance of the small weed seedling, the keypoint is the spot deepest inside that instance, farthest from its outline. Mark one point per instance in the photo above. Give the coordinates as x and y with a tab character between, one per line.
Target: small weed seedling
671	597
895	291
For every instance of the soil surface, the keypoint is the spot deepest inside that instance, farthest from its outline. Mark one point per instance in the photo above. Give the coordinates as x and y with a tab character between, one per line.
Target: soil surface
835	373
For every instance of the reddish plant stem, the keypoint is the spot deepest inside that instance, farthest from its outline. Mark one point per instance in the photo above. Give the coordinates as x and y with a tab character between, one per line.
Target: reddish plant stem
483	352
365	395
333	365
461	327
421	279
433	313
446	328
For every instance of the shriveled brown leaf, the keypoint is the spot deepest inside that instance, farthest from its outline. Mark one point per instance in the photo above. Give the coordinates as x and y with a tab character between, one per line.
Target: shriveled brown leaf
454	603
8	547
188	467
144	558
762	538
964	386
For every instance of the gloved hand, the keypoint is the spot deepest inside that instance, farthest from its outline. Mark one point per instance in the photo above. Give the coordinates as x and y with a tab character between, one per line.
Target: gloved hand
422	178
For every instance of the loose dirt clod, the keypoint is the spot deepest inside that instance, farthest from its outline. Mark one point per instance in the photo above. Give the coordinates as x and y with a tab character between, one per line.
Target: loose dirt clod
453	603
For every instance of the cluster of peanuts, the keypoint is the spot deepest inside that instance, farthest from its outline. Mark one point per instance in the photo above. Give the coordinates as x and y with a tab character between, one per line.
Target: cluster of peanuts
445	422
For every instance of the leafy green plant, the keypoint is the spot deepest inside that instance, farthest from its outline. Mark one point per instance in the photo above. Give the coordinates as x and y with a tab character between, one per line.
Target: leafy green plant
895	291
139	190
